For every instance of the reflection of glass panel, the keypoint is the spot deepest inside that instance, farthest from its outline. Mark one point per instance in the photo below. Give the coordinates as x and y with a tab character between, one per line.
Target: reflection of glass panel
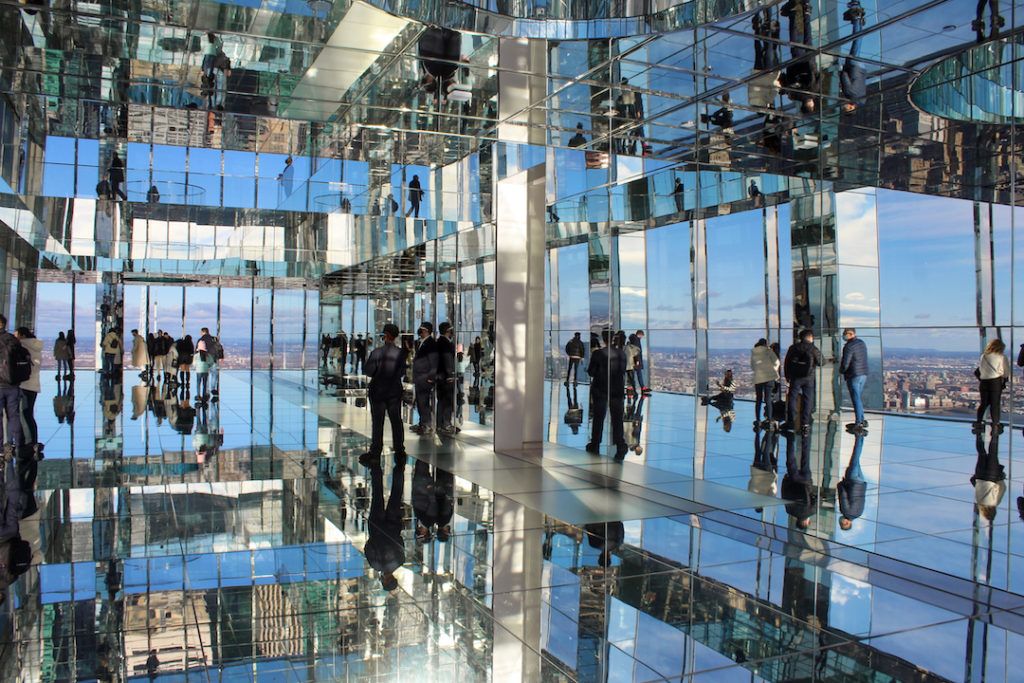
735	248
927	278
668	275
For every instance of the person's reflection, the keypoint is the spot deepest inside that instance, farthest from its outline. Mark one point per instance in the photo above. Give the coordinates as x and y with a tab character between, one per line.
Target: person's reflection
573	412
140	400
433	501
64	403
766	462
384	548
989	480
797	484
634	423
606	538
111	396
851	490
184	416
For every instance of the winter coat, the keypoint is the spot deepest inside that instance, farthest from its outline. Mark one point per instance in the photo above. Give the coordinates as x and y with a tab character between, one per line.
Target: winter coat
61	350
112	344
140	354
993	366
35	349
765	365
855	359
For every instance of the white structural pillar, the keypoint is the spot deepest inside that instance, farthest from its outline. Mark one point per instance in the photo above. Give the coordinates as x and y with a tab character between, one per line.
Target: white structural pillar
519	241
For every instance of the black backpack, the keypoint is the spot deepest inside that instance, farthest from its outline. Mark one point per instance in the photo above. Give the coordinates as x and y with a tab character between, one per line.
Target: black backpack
801	362
15	361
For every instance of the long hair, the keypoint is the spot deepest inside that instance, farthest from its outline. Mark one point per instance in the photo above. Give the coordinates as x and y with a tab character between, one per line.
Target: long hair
995	346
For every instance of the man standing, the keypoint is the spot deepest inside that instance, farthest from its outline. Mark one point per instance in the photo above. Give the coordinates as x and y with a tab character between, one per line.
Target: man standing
638	361
358	353
424	372
10	393
415	195
574	349
446	377
802	359
385	368
678	195
854	368
607	370
287	177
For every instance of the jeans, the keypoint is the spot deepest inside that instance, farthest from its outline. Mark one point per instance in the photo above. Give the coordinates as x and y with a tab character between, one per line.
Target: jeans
801	387
763	395
28	412
202	383
108	363
63	366
640	377
10	402
856	386
574	366
391	409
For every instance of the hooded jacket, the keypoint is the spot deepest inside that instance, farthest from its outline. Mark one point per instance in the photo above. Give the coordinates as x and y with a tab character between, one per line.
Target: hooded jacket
765	364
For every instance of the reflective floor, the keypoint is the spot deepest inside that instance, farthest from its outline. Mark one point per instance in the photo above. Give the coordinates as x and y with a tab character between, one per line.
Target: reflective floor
244	541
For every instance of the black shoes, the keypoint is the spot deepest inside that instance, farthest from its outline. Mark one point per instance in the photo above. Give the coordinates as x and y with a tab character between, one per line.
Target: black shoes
368	459
591	448
857	427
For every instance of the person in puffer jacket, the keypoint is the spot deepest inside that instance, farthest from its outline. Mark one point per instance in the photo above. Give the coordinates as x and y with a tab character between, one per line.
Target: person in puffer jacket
854	368
765	366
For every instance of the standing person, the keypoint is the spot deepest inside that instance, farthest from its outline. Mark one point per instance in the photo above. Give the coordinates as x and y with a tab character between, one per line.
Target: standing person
71	353
325	348
424	373
30	387
216	350
112	351
854	368
476	354
446	375
159	355
62	355
993	372
286	177
574	349
115	174
210	51
415	195
607	370
385	367
754	192
203	362
802	359
765	365
636	340
10	393
140	352
339	350
678	194
578	140
186	353
361	348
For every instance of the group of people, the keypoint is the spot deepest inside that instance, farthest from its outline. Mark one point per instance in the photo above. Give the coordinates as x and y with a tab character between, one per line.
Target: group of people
163	359
338	350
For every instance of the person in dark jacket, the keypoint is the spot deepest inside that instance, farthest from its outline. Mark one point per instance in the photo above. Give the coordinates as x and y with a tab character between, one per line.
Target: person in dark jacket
186	350
415	195
424	374
476	354
797	484
802	359
607	370
386	367
445	383
854	368
433	501
10	393
385	549
574	350
850	491
116	176
606	538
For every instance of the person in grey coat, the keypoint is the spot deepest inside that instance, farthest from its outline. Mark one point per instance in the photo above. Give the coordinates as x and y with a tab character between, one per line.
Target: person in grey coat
424	375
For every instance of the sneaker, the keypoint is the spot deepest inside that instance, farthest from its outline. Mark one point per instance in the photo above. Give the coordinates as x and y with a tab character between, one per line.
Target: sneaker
805	430
646	391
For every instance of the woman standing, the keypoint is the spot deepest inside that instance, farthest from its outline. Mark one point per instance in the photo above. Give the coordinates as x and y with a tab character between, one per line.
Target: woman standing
993	371
62	354
140	353
71	353
203	361
186	350
30	387
765	365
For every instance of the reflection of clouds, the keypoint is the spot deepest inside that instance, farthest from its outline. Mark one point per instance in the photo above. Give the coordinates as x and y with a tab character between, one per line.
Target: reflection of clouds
756	301
860	308
855	296
856	221
923	316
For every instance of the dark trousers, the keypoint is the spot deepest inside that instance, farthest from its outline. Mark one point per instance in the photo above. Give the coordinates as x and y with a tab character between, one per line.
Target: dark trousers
424	402
801	387
763	395
28	412
392	409
600	405
991	399
415	206
445	403
10	402
574	366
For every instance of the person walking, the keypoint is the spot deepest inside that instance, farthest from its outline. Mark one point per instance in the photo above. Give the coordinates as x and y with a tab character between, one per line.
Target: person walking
415	195
112	352
385	367
115	174
140	352
854	368
424	374
10	392
607	370
62	355
574	349
30	387
802	359
765	365
993	372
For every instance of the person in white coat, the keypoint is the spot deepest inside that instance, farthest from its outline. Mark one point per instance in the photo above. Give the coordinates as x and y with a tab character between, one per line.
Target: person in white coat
993	372
765	365
30	387
140	354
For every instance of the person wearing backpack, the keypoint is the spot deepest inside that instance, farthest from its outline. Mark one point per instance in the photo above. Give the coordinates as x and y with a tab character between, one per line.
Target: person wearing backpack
802	359
30	387
111	352
386	368
10	393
